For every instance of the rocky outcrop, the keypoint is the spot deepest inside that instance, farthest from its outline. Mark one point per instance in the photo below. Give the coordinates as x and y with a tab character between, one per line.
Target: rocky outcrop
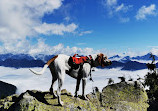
6	89
43	101
125	96
120	97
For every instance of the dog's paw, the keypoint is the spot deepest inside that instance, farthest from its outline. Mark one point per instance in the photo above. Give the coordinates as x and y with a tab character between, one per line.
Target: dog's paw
54	96
76	96
61	103
84	98
51	91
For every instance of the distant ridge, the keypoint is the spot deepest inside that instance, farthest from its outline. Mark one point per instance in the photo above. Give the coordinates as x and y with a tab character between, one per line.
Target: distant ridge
27	61
21	63
131	63
115	56
145	57
23	60
128	58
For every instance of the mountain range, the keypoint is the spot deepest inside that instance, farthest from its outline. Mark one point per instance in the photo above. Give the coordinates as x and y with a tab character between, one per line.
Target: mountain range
132	63
26	61
146	57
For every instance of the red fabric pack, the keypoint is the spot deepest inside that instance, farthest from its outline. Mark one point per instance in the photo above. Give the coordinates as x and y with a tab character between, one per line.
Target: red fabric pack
79	60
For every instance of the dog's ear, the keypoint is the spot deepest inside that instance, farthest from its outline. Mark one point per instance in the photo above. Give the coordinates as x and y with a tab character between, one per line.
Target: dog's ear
100	59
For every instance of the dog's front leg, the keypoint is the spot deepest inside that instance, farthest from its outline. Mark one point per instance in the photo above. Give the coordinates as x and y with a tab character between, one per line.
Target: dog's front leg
77	86
84	80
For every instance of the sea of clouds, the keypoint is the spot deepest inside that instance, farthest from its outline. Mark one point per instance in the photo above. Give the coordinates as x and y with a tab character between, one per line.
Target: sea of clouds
26	80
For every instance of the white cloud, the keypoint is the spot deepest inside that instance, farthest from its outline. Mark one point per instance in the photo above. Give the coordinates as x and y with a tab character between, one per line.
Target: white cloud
154	51
21	20
58	29
123	8
81	43
124	20
111	2
73	50
146	11
113	7
18	18
42	48
85	32
118	10
26	80
67	19
134	52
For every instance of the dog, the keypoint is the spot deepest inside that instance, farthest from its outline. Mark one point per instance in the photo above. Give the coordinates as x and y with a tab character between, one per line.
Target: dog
59	65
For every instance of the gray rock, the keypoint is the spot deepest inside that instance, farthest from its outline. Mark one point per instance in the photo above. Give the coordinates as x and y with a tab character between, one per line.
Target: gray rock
6	89
125	96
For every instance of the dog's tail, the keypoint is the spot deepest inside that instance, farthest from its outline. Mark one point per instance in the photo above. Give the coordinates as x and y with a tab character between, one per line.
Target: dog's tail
45	66
41	72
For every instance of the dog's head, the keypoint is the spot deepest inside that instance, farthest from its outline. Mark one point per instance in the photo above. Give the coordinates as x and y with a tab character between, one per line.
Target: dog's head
103	60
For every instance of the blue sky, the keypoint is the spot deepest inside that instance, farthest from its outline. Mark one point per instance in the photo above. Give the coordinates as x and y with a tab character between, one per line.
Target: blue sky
107	31
78	26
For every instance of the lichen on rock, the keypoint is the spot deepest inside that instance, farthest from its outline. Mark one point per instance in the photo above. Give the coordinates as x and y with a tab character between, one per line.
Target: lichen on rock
125	96
43	101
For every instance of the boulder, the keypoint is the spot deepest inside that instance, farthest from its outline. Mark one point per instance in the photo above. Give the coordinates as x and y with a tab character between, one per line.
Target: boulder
125	96
6	89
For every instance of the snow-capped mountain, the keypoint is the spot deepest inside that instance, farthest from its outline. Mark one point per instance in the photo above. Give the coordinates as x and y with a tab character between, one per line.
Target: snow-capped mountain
132	63
15	56
26	60
43	57
120	58
25	56
20	60
142	59
145	57
115	57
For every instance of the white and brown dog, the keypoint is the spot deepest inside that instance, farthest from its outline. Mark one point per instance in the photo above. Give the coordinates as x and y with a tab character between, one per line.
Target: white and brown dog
59	65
